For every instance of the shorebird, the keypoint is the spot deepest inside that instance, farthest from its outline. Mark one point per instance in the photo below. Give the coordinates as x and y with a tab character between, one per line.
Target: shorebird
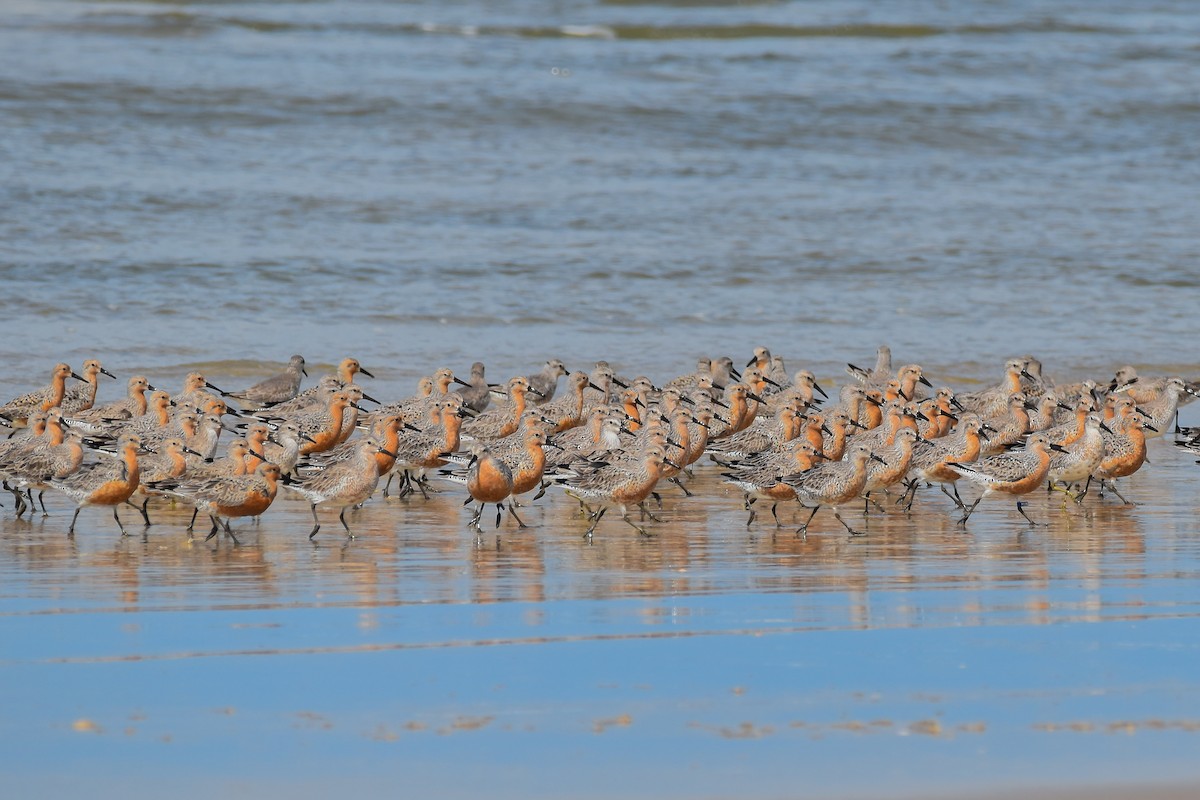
941	409
1124	448
1080	460
344	484
1143	390
206	436
879	374
488	480
169	460
777	372
77	398
194	394
764	434
567	411
323	427
310	399
385	430
1016	473
758	475
277	388
246	495
11	448
500	422
890	466
233	463
600	389
736	399
545	382
241	496
620	483
1159	411
840	425
909	376
993	400
17	410
105	483
724	373
199	468
351	416
1067	432
477	394
760	360
156	416
687	383
931	459
328	384
283	446
1010	427
426	449
832	484
183	424
804	387
524	458
130	407
40	461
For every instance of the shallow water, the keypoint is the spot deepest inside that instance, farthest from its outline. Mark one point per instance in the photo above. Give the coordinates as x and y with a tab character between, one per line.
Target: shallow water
524	662
964	181
218	185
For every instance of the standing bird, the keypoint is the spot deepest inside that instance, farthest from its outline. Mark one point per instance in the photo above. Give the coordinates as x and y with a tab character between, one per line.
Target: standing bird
81	398
105	483
489	480
344	484
276	389
194	391
39	461
882	371
501	421
477	394
169	462
131	406
318	396
18	410
758	475
832	484
1159	411
622	484
1082	458
896	461
545	383
1124	448
930	459
1014	474
232	496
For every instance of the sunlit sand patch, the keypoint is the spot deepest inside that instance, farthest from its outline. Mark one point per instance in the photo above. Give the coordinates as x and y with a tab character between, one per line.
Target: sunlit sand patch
1127	727
620	721
84	725
382	733
744	730
466	724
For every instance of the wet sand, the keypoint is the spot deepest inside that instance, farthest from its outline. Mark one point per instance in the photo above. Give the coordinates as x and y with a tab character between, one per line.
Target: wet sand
707	660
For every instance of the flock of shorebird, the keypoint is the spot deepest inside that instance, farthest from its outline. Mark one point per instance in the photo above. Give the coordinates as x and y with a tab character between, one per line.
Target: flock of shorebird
607	441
